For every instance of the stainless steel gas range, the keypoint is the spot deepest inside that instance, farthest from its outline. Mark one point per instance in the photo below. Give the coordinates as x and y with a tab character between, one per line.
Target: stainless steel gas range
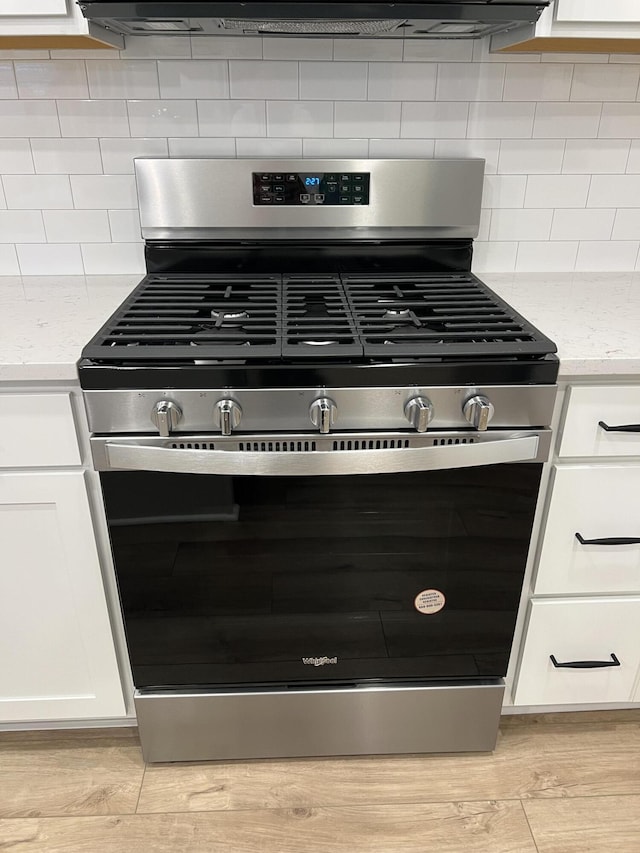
320	439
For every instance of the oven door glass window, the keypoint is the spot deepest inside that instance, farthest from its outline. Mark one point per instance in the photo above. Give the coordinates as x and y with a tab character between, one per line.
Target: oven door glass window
287	581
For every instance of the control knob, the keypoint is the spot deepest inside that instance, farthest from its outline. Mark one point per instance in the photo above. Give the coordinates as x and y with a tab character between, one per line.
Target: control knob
227	415
166	415
323	413
419	413
478	410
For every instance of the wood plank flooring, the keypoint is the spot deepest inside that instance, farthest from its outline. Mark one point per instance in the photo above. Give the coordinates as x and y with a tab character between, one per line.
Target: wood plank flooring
560	783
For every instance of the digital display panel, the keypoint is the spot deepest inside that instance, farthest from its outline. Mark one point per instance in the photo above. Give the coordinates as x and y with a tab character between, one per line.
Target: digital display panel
310	189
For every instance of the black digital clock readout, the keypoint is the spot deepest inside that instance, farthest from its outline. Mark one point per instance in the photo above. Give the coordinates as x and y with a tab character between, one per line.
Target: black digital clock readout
311	188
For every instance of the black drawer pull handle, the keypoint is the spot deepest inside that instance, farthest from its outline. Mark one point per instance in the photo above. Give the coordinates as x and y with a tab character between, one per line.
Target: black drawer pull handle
585	664
611	540
620	427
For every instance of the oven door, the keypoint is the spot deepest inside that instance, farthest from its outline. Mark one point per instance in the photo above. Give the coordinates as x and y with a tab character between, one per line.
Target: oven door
283	578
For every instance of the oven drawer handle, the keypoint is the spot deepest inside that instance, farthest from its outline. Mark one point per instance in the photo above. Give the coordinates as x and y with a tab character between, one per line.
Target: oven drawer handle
585	664
129	456
610	540
619	427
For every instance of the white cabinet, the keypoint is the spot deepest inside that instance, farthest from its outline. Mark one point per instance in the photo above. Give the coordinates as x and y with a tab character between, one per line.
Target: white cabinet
617	11
593	414
57	657
50	24
37	430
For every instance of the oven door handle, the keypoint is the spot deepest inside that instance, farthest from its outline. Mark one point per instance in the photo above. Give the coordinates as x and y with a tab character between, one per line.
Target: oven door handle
127	456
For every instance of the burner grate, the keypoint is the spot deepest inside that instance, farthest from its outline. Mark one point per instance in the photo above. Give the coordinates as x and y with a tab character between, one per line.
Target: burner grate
304	317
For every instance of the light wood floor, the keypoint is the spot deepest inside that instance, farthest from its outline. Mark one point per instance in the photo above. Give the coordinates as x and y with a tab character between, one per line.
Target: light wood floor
560	783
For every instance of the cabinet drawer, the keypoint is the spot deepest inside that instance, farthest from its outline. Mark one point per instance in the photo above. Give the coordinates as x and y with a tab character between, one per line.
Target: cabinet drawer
598	502
37	430
613	405
580	630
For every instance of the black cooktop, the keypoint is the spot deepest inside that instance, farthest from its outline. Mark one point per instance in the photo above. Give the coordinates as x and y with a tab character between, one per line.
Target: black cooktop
289	319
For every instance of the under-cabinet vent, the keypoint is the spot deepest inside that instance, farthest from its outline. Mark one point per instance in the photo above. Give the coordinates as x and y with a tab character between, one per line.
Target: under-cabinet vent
441	441
193	445
372	444
277	446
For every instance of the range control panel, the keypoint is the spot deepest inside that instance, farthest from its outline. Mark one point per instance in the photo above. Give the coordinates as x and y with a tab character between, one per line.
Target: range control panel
339	188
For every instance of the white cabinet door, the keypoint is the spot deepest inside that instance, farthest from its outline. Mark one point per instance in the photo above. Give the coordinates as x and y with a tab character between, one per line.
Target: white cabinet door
598	502
37	430
614	11
57	658
580	630
593	408
33	7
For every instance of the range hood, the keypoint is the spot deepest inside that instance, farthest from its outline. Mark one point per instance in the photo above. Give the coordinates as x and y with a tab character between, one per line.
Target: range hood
424	19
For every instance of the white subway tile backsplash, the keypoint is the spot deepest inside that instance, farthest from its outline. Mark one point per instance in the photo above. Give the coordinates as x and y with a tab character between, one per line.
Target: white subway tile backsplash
590	156
619	121
341	149
626	225
582	224
232	118
158	47
448	50
269	147
8	88
300	118
21	226
520	224
118	154
504	190
229	47
546	257
29	118
367	118
113	258
434	120
15	157
135	78
367	50
66	156
297	48
487	149
605	83
402	81
402	148
202	147
575	57
104	191
162	118
470	81
530	156
84	225
614	191
35	192
333	81
93	118
44	258
494	256
497	120
9	260
193	78
607	255
64	78
567	120
273	79
537	82
557	191
125	226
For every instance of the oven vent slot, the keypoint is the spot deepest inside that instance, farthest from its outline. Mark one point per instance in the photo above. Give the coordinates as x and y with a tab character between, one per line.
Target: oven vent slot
193	445
372	444
277	446
442	441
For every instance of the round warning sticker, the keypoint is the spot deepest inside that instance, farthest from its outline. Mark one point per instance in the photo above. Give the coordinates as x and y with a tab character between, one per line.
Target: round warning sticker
429	601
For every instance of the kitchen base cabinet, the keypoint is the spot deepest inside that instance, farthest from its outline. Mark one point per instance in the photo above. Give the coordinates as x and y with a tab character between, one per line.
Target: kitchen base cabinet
591	634
57	658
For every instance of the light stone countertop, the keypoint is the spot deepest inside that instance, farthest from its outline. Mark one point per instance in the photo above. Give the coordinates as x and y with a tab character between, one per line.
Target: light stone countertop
594	318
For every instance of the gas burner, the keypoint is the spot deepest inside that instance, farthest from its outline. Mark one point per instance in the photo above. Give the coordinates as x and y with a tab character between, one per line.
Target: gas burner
319	343
397	312
226	316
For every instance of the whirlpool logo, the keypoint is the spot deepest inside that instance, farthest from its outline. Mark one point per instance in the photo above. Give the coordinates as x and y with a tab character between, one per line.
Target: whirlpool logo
318	661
